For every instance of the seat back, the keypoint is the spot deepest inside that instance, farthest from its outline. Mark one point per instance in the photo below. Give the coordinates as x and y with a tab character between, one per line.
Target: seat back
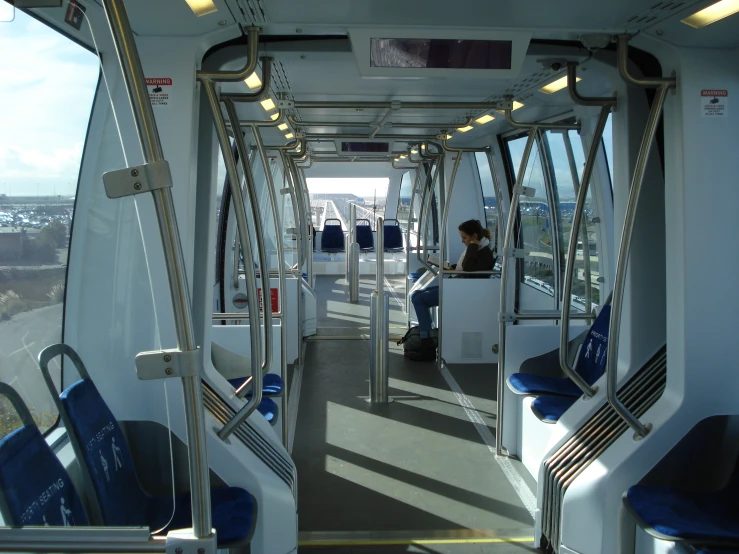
591	360
35	489
332	238
365	239
393	236
101	446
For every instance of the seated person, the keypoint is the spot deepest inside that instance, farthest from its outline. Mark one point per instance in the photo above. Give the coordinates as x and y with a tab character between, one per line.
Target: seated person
478	256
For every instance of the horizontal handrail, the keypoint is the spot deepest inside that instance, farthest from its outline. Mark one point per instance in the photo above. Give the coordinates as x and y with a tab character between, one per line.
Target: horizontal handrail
555	315
245	315
460	272
79	539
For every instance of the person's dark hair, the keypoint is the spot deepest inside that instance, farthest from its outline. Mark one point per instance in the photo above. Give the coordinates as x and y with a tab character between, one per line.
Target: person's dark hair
473	227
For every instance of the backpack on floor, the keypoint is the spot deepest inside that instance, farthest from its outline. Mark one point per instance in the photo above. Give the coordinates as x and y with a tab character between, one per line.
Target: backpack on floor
411	341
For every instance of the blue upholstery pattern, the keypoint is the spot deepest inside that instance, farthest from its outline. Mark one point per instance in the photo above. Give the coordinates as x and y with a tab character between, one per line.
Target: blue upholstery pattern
121	499
268	409
365	238
550	408
590	364
692	516
393	238
36	486
332	238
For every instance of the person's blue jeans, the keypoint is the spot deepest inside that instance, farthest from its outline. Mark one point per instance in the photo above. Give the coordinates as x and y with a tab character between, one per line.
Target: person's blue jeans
423	301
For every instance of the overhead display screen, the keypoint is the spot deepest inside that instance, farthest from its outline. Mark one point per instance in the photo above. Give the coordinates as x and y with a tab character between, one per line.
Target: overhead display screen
440	53
364	147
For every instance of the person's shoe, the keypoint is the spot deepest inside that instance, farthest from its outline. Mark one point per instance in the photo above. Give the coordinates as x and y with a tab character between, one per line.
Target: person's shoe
427	352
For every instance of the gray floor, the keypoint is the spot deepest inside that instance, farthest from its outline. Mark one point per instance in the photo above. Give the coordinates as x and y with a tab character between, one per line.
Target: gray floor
417	465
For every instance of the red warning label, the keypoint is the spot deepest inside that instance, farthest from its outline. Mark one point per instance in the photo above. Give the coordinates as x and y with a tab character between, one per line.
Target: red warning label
274	294
160	91
715	103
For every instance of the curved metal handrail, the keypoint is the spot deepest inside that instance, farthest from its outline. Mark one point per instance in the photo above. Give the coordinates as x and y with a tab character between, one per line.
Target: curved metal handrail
641	430
564	331
259	94
575	96
623	68
251	64
513	210
521	125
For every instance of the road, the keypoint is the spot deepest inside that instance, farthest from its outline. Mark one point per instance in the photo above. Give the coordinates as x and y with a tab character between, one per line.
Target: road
21	339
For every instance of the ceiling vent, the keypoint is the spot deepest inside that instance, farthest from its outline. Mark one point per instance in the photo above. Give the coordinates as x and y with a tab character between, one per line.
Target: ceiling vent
253	11
655	14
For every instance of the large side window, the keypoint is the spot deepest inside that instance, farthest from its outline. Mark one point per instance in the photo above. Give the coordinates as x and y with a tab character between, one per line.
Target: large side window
536	225
46	98
404	199
608	145
488	192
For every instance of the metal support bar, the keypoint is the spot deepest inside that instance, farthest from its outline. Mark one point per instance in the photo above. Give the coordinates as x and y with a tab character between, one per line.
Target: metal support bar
623	68
388	115
641	430
515	196
353	257
79	539
251	63
583	100
245	240
442	251
427	214
554	315
379	327
281	278
146	128
317	136
391	125
402	105
251	189
259	94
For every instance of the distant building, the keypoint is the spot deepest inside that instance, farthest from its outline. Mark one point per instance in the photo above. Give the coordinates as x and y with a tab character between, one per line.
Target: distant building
11	246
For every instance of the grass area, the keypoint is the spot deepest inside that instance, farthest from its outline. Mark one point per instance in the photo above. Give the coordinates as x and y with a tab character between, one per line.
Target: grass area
22	290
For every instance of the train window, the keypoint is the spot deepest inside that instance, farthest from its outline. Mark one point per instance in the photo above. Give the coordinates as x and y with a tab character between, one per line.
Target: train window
536	225
608	146
488	192
42	138
404	199
567	161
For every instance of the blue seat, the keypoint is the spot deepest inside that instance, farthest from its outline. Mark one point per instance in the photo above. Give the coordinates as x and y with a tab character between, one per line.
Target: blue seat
101	448
35	487
332	238
550	408
271	384
590	365
365	238
393	236
708	519
415	276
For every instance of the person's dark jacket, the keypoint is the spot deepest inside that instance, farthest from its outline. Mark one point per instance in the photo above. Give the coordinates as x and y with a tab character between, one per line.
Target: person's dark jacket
477	259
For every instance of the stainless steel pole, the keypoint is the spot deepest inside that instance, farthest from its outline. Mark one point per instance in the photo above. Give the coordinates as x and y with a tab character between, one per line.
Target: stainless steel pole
251	189
146	127
622	262
353	255
379	318
508	252
281	277
255	334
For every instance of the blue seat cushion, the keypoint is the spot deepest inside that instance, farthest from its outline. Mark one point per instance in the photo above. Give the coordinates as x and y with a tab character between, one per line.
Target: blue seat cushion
122	500
365	239
529	384
692	516
332	238
268	409
233	512
37	488
393	237
550	408
271	384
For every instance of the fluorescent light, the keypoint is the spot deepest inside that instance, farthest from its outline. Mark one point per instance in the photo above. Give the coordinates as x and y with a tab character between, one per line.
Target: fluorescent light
448	137
268	104
403	157
202	7
712	13
253	81
414	151
516	105
484	119
423	147
289	136
298	148
463	129
282	126
275	116
559	84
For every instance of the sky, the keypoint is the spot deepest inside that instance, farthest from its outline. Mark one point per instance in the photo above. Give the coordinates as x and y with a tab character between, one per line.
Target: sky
46	92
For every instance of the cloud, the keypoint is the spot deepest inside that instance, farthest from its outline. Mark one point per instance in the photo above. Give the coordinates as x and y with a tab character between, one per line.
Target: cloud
47	92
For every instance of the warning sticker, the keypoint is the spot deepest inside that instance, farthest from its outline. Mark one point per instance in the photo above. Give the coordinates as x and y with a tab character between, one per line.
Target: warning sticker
274	295
715	103
160	91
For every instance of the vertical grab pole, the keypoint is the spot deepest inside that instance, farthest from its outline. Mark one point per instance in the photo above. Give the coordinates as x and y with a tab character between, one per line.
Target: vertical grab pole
353	255
283	286
442	252
508	252
152	149
379	316
351	231
251	190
